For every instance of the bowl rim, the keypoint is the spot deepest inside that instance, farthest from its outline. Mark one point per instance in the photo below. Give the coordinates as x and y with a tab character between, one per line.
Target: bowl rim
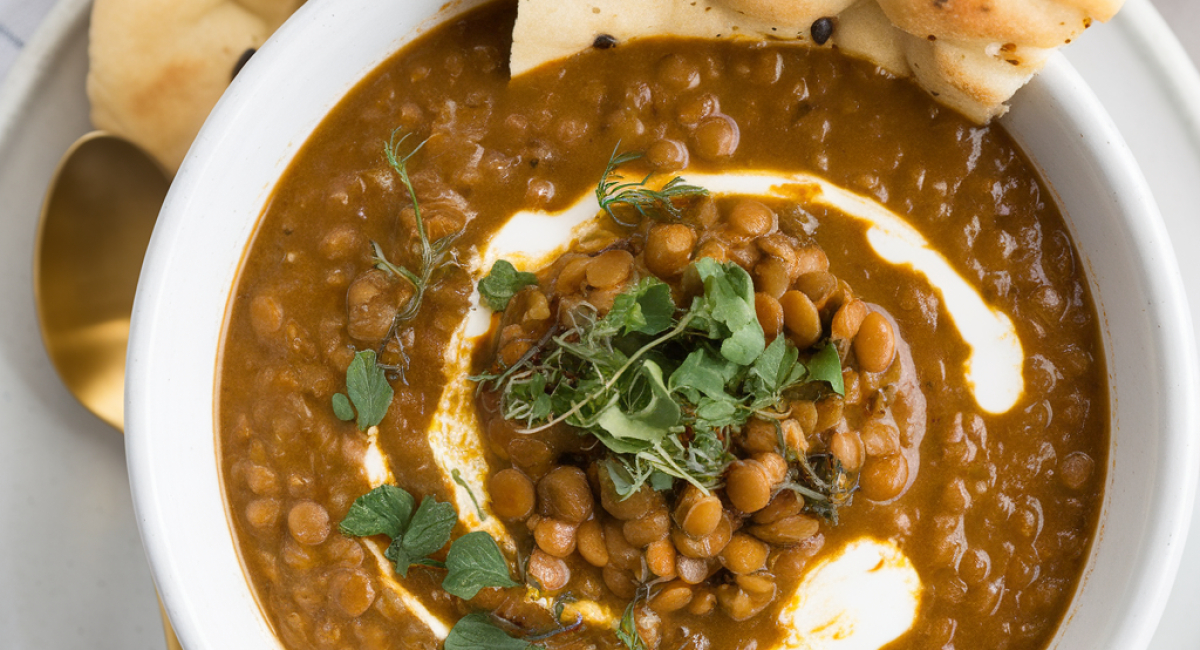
156	322
1167	306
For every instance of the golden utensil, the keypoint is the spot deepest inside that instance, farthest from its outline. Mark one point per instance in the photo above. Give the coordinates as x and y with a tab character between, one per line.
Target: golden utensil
95	225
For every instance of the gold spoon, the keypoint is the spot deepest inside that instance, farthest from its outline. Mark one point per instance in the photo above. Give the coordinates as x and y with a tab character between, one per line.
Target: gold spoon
95	226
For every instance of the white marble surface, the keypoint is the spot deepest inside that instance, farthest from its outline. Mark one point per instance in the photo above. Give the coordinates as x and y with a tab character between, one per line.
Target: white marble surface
72	574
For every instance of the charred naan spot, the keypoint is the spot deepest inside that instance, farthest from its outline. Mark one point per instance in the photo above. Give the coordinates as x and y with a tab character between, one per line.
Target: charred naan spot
604	42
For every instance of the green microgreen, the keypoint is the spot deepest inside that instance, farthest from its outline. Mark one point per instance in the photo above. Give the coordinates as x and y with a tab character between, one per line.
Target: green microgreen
660	204
478	631
367	392
432	255
388	510
662	388
502	283
475	562
826	366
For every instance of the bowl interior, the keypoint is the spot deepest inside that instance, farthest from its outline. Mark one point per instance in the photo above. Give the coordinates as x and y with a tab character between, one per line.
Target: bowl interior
281	96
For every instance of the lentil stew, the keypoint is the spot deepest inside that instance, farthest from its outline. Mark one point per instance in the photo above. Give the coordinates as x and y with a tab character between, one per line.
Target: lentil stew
344	318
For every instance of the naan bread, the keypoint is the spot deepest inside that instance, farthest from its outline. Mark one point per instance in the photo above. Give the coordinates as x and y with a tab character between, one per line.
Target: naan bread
971	55
157	67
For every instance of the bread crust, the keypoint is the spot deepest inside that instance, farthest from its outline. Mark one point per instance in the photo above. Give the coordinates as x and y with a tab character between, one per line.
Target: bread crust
971	55
157	88
797	13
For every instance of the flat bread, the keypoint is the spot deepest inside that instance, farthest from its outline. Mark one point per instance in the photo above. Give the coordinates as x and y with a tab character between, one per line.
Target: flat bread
971	55
547	30
157	67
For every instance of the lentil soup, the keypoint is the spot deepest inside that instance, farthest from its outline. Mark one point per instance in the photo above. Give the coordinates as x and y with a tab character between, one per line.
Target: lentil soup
346	317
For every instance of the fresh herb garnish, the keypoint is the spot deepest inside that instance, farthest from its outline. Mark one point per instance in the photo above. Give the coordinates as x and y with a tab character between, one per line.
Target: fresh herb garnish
647	202
433	255
502	283
826	366
825	485
386	510
662	388
457	476
725	311
478	631
647	308
626	629
427	533
370	394
475	562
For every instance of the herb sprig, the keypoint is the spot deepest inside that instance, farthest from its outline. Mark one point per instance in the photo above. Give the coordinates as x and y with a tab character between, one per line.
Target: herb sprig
662	388
432	255
626	629
649	203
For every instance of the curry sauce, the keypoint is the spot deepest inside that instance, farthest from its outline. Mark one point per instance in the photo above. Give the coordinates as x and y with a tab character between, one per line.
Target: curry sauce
997	511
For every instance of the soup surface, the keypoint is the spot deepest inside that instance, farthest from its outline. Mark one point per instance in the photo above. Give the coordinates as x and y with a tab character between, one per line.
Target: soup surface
995	511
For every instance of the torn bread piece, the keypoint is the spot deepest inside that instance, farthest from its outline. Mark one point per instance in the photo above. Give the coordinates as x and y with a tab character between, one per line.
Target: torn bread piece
971	55
157	67
547	30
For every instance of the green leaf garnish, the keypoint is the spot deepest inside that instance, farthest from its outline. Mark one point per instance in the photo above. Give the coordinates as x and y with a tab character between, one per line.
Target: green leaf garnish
386	510
649	419
647	308
476	631
428	531
658	204
726	310
342	408
502	283
475	562
777	368
369	391
826	365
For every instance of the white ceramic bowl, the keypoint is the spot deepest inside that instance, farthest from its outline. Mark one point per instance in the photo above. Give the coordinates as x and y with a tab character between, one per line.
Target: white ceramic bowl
280	97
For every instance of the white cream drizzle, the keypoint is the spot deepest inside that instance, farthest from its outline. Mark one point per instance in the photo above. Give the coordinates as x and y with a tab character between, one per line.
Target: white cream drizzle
387	573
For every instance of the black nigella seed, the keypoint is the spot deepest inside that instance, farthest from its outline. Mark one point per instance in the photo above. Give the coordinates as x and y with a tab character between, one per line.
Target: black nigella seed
822	29
241	62
604	41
